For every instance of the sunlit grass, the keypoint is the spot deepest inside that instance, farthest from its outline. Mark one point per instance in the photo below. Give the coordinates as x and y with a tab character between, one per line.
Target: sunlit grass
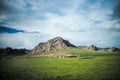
97	68
91	65
81	52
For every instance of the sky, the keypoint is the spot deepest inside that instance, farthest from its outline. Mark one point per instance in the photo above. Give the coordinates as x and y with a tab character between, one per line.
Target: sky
25	23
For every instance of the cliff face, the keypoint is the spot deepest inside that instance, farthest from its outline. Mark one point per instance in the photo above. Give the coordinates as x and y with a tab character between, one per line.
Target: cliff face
53	44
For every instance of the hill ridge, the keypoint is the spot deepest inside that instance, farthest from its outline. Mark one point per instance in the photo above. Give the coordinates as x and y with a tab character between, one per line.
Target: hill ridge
52	44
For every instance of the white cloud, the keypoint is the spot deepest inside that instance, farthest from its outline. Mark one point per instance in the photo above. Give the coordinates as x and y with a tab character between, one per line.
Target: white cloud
21	40
80	22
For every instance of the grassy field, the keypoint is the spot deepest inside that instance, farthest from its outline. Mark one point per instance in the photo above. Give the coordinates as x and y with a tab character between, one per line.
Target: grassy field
97	67
81	52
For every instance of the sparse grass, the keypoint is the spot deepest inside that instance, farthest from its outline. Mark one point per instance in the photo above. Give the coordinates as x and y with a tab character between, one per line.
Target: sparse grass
92	65
82	52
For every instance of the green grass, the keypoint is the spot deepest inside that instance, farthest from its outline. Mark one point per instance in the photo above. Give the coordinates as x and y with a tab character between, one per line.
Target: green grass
97	68
92	65
82	52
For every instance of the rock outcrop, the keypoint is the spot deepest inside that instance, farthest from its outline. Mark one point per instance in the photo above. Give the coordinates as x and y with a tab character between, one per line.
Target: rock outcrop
53	44
114	49
92	47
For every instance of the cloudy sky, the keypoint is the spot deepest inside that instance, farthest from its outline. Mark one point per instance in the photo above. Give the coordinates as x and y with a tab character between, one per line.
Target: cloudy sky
25	23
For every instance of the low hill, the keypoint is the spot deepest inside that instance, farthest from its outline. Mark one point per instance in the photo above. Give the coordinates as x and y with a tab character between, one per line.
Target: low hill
52	44
59	43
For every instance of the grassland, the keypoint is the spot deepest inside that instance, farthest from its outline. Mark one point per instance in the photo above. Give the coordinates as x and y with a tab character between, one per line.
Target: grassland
81	52
100	66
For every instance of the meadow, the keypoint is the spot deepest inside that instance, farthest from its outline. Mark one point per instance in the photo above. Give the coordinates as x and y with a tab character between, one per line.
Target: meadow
91	65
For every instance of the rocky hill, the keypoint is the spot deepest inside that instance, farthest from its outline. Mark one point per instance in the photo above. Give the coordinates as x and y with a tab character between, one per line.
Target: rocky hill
4	52
92	47
52	44
114	49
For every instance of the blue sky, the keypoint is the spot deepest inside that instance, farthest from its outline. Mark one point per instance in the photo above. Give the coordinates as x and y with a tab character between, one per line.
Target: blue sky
25	23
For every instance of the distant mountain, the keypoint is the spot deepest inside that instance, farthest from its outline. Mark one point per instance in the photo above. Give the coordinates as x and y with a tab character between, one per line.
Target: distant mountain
91	47
52	44
4	52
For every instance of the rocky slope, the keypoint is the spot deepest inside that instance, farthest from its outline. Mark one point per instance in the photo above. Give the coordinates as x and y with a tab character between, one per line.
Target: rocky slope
114	49
53	44
4	52
92	47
